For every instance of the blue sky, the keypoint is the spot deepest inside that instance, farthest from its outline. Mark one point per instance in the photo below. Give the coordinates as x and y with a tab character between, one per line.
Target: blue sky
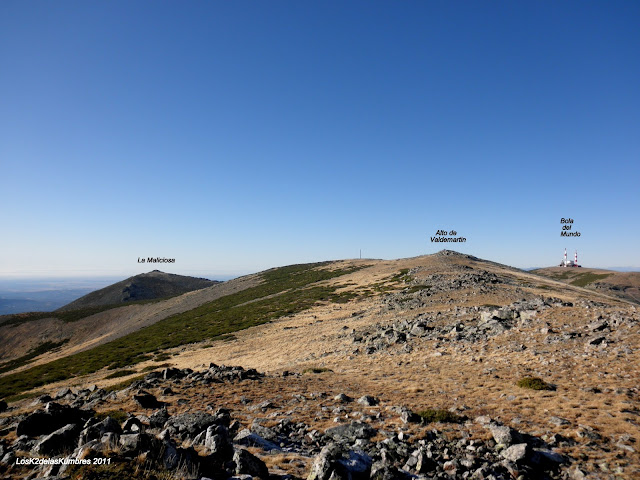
237	136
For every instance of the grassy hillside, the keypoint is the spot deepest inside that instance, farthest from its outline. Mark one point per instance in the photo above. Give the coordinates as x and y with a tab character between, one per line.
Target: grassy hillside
67	315
624	285
284	291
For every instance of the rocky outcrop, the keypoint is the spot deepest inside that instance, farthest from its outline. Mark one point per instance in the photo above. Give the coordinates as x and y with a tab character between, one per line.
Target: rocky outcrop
215	445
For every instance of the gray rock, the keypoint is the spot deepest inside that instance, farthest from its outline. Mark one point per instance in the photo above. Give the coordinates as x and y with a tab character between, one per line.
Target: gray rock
8	459
515	453
264	432
358	464
249	439
138	442
384	471
559	421
368	401
598	325
110	440
424	463
322	467
351	432
407	416
248	463
63	439
96	431
217	442
170	456
24	443
451	467
54	417
333	464
188	425
343	398
132	425
501	434
63	392
158	418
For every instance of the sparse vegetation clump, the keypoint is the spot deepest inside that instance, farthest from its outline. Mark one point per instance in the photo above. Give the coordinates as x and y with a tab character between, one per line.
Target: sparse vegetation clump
534	383
118	415
317	370
402	276
439	415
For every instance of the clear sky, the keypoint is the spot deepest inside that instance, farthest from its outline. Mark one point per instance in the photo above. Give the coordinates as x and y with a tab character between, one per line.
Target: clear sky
238	136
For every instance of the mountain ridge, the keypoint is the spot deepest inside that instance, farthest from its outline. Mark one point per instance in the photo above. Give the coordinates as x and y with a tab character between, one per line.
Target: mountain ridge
145	286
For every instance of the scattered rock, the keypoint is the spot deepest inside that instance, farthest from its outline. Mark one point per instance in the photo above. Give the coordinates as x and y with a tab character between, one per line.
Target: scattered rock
368	401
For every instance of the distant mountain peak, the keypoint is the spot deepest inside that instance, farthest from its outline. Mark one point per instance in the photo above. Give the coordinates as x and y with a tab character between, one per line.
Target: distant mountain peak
145	286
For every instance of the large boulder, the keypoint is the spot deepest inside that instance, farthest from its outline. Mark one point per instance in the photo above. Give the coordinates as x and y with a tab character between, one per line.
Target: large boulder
249	464
158	418
97	430
63	439
515	453
134	443
334	464
189	425
53	417
502	434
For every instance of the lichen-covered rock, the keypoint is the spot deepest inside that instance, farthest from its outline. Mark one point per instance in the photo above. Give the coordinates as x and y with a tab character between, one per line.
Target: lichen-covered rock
515	453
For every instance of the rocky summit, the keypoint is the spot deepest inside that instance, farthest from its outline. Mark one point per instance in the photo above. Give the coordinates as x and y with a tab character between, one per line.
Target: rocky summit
437	367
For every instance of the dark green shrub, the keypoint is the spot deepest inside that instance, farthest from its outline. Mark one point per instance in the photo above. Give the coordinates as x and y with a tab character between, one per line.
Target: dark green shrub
534	383
317	370
439	415
118	415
